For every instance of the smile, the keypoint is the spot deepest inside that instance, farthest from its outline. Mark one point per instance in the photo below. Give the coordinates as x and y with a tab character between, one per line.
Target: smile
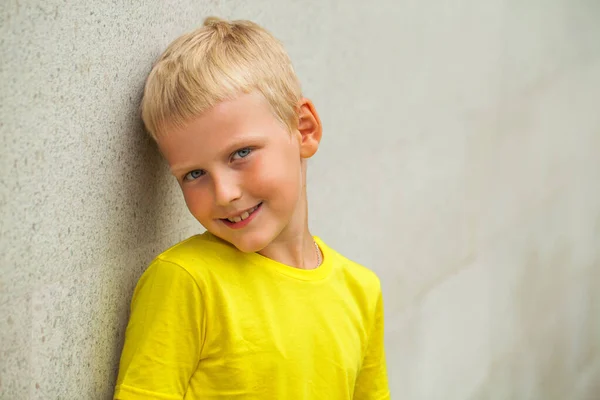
243	215
241	220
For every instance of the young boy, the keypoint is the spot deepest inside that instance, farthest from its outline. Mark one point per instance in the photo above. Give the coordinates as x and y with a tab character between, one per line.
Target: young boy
256	307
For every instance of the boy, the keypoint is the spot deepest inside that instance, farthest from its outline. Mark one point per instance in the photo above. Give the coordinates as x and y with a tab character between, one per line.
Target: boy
256	307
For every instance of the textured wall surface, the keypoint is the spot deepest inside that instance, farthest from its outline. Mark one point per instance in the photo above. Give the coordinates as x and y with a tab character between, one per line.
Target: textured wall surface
461	162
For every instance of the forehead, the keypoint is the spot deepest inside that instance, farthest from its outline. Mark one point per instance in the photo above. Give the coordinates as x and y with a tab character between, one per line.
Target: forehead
247	117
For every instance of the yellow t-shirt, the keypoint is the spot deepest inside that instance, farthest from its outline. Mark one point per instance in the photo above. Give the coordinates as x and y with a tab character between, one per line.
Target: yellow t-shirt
210	322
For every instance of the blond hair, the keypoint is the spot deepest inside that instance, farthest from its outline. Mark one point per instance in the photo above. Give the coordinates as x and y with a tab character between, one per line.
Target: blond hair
216	62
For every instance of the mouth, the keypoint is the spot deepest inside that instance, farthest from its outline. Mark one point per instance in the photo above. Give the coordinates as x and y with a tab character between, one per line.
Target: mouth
243	219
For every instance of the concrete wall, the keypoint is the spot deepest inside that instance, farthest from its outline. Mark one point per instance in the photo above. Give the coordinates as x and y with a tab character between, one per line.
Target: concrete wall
461	161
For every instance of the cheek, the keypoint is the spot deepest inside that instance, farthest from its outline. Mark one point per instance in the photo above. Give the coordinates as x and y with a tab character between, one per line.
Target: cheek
276	176
197	201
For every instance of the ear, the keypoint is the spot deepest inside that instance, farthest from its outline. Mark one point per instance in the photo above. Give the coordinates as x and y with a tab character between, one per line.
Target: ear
309	128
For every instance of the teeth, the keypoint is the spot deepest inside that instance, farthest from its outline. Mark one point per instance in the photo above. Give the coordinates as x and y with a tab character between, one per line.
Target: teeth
243	216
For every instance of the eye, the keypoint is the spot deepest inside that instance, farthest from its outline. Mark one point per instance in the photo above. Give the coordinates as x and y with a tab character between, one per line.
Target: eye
241	153
195	174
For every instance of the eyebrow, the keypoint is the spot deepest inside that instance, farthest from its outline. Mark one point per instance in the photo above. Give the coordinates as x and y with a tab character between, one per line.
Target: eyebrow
236	144
181	170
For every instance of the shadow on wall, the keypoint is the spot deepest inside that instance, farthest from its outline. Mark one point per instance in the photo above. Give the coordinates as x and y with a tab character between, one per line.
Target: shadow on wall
139	189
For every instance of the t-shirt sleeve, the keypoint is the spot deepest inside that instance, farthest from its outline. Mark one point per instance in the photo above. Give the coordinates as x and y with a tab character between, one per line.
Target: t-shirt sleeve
372	382
164	336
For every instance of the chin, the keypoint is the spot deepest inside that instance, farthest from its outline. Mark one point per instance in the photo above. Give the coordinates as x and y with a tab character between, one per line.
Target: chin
253	242
245	244
247	249
249	246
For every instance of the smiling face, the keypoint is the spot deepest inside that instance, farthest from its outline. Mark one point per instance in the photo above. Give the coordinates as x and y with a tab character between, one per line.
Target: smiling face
241	171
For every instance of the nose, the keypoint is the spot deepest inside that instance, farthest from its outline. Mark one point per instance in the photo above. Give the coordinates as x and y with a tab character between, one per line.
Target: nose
226	189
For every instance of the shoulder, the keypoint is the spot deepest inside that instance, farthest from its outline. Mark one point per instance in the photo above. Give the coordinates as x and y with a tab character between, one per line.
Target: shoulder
204	246
191	259
355	274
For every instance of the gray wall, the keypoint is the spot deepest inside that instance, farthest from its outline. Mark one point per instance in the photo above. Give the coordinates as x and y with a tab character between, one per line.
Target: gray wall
460	161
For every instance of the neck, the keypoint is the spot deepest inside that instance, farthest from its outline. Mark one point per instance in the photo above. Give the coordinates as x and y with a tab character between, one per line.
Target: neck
299	252
295	246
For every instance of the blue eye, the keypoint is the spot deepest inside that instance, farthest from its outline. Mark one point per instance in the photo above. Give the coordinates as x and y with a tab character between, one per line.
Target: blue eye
242	153
195	174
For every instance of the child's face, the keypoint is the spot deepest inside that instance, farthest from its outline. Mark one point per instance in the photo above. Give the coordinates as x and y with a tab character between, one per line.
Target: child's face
241	171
